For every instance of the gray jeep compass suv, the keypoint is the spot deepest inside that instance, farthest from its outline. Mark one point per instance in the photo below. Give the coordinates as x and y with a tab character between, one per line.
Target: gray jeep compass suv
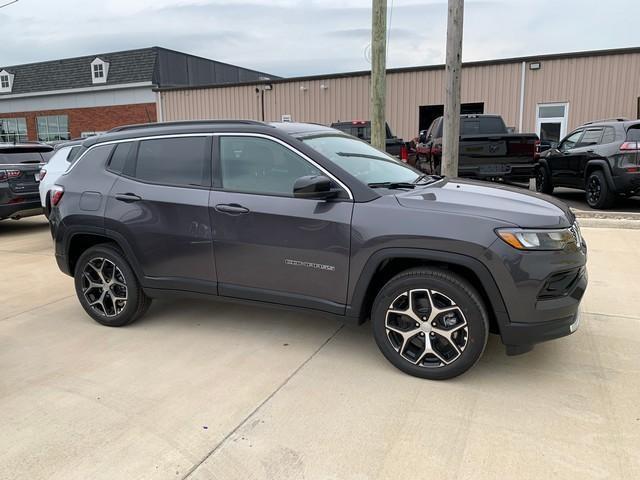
306	217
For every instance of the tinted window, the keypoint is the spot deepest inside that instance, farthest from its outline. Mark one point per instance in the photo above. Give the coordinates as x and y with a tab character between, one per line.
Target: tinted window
75	153
570	142
174	161
609	136
97	155
15	158
633	134
591	137
120	156
258	165
482	126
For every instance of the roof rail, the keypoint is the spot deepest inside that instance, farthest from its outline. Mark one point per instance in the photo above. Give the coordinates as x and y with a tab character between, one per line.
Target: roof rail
186	123
618	119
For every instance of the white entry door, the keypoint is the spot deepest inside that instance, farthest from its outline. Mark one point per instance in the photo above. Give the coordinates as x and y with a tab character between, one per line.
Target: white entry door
551	122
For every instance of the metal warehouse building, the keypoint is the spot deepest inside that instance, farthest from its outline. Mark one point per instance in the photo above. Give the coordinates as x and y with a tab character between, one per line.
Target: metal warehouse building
547	94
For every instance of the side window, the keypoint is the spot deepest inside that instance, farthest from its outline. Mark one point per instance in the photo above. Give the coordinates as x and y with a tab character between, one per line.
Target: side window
75	154
120	155
570	142
591	137
609	136
260	166
181	161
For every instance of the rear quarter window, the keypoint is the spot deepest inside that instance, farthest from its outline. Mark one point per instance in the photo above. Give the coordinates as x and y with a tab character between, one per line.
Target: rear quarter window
633	134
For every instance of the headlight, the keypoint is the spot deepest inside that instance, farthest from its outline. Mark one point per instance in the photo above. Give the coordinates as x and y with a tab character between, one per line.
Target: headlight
525	239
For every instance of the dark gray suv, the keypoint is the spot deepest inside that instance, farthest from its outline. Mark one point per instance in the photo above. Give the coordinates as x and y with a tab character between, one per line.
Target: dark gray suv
306	217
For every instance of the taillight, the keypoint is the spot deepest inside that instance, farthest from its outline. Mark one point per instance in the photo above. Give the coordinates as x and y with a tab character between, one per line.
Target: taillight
630	147
43	173
3	175
536	146
404	154
13	174
56	194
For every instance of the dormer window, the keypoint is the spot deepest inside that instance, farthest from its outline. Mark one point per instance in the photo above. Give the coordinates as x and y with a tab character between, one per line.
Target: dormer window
6	81
99	71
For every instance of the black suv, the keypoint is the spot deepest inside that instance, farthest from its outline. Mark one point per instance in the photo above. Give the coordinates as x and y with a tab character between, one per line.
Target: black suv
602	158
20	165
306	217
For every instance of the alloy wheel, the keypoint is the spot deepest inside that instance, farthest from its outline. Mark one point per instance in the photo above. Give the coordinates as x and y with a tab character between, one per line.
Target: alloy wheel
104	287
594	190
540	180
426	328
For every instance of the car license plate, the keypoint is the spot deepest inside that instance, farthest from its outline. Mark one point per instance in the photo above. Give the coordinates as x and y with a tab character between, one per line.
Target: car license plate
497	169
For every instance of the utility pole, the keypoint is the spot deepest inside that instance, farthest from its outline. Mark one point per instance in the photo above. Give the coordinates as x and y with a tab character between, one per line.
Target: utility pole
451	134
378	73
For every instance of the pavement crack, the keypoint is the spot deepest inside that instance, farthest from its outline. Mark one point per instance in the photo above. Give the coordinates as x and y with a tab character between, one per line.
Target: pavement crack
261	404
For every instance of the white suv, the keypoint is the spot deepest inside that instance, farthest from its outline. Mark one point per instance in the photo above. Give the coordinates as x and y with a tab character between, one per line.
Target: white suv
64	156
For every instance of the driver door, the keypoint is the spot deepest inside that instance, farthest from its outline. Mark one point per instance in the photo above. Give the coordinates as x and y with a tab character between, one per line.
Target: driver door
560	160
268	245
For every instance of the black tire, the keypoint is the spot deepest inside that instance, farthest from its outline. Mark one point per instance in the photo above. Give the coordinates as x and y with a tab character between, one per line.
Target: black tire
597	191
112	313
543	180
432	284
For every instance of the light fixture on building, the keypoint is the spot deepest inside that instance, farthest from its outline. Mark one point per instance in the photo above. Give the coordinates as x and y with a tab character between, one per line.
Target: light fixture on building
535	66
323	86
303	88
268	86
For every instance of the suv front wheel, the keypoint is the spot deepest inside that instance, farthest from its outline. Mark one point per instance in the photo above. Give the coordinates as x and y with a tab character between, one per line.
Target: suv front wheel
430	323
107	288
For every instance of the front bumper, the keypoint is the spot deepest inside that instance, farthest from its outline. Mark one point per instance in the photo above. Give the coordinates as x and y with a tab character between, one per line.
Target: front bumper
563	318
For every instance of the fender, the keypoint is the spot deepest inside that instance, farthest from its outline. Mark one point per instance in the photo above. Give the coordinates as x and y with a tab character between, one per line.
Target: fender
542	163
75	230
497	305
603	165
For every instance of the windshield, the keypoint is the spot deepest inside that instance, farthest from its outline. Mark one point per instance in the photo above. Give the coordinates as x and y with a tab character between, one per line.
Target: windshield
361	160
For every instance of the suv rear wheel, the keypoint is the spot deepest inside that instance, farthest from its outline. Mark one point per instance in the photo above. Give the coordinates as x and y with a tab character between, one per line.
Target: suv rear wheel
107	288
430	323
598	193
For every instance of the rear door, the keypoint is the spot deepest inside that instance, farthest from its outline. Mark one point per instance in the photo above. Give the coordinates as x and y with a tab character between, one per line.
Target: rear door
159	205
582	153
21	170
270	246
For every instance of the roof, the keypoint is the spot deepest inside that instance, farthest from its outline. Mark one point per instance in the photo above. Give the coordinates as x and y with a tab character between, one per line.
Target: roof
421	68
155	65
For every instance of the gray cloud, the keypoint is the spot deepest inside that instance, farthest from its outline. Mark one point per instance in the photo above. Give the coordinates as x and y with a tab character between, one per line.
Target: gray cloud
300	37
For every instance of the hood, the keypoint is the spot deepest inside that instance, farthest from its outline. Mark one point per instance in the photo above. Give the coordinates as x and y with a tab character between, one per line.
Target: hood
517	206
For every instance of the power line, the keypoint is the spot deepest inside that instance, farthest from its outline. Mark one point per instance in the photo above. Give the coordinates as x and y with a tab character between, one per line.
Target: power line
7	4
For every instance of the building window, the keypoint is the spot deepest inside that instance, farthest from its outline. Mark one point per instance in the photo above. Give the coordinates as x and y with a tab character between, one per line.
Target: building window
99	71
53	128
13	130
6	81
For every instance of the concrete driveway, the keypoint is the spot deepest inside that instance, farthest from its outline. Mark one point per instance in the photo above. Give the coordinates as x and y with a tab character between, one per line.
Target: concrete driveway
208	390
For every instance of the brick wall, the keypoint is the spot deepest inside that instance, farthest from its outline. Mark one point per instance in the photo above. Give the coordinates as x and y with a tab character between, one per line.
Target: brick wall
94	119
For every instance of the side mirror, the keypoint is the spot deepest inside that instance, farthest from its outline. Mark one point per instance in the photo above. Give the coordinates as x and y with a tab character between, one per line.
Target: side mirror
314	187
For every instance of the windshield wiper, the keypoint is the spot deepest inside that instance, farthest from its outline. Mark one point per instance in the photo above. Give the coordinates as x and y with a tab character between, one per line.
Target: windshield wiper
431	178
392	185
362	155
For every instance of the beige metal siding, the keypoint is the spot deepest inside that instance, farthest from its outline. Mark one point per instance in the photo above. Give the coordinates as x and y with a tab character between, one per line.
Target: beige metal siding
595	87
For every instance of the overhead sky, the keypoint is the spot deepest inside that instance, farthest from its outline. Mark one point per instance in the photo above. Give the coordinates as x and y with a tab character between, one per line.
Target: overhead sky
303	37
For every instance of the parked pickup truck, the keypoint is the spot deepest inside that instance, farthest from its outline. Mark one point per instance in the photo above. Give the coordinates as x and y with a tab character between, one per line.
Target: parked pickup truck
487	150
362	129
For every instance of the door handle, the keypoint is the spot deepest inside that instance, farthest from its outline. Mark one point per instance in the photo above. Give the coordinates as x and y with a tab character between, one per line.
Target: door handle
128	197
231	208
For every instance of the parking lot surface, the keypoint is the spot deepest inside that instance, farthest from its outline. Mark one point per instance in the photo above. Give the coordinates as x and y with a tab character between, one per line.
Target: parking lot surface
210	390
